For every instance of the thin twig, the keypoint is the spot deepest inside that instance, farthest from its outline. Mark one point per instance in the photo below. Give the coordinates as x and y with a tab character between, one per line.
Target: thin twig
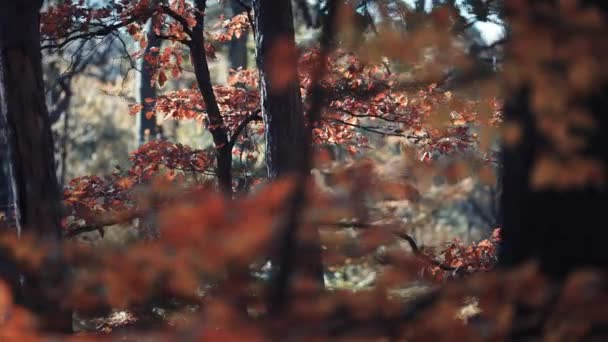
104	31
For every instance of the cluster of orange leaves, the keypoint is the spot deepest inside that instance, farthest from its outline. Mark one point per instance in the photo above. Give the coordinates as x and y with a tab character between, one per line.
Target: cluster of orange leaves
231	28
89	198
466	259
362	98
505	300
192	252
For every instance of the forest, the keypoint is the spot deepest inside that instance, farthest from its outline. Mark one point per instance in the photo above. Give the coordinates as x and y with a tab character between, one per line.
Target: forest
303	170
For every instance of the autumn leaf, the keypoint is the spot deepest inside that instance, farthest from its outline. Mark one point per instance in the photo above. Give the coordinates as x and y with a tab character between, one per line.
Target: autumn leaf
162	78
134	109
125	182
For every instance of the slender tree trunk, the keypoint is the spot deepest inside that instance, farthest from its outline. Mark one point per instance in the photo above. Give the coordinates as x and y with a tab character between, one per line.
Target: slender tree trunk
31	144
555	194
147	129
216	122
238	47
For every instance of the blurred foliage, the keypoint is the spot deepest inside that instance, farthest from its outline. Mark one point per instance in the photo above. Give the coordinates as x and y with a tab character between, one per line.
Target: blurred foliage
404	192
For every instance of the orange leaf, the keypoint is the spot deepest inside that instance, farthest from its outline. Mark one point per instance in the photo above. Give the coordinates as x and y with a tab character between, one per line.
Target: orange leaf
162	79
135	108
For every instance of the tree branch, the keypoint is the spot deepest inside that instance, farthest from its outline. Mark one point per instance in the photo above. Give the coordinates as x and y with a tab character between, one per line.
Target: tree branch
173	39
255	116
105	221
102	32
376	131
404	236
177	17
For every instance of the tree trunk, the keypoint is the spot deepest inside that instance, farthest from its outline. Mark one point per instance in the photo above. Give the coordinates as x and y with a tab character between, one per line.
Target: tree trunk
279	88
30	142
420	6
7	200
216	122
147	129
238	46
297	248
554	192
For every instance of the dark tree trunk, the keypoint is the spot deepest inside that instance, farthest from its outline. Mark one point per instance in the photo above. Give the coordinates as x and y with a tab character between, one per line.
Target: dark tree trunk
288	145
147	129
281	102
7	200
216	122
30	134
238	47
30	142
548	215
420	6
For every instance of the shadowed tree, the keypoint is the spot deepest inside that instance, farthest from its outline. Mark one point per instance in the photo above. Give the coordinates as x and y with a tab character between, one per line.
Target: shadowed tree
556	142
280	92
297	249
285	137
7	201
22	105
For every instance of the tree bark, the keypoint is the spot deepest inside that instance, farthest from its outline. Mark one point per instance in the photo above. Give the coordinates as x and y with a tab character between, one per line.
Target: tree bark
238	46
31	143
420	6
147	129
288	146
7	200
558	220
280	99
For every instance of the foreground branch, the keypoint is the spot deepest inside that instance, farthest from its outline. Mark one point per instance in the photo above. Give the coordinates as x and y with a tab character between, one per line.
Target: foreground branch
404	236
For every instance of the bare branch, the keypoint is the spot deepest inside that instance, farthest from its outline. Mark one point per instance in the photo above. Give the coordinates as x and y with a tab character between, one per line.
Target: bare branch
102	32
376	130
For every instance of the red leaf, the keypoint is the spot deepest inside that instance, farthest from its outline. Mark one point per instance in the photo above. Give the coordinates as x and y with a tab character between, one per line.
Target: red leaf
162	79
